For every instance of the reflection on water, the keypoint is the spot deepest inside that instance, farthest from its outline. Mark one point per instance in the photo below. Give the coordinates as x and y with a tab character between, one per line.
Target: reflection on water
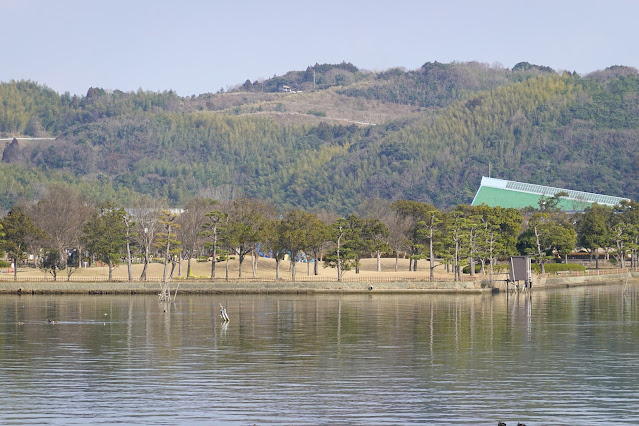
560	357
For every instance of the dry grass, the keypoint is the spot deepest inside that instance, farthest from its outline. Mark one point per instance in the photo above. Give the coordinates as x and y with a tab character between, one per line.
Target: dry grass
265	270
288	108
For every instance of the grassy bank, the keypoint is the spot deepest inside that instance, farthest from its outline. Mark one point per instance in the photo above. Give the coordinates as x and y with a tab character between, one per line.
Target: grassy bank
265	271
94	279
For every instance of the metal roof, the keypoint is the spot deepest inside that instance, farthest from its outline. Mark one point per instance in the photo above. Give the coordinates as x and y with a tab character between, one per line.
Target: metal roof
505	193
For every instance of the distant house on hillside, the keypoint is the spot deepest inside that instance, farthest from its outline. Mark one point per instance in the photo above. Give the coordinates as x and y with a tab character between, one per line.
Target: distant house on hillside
285	89
134	211
504	193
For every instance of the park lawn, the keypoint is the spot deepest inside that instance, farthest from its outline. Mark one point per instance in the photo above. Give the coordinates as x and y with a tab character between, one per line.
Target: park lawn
265	270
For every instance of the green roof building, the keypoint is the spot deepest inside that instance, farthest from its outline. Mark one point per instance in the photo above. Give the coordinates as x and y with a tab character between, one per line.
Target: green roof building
505	193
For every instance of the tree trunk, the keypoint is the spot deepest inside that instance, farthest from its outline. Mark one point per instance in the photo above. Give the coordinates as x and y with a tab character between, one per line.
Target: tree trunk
339	263
146	263
277	267
471	266
15	269
415	265
188	267
213	267
240	260
166	255
110	269
173	262
396	260
70	268
471	257
128	259
254	262
293	266
456	265
213	259
143	275
431	255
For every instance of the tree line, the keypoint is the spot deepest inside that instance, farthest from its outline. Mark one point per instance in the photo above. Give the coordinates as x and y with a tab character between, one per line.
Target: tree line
64	229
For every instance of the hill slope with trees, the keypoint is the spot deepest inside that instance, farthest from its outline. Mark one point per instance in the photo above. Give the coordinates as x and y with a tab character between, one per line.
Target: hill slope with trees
330	137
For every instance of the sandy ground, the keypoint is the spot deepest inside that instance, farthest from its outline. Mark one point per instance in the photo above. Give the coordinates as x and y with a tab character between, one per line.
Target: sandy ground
265	270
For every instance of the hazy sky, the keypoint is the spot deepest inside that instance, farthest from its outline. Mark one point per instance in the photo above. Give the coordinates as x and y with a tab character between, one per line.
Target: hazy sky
200	46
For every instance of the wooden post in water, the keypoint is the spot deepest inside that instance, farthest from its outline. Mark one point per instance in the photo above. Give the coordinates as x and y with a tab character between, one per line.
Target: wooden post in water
223	314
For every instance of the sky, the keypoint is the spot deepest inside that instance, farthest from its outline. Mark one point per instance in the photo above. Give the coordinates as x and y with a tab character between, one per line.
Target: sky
202	46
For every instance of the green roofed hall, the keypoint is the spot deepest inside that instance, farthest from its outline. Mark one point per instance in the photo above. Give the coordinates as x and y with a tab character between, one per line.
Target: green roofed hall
510	194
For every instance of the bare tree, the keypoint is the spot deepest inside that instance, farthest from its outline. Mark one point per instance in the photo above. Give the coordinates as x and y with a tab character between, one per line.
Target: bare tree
399	240
62	214
191	223
146	212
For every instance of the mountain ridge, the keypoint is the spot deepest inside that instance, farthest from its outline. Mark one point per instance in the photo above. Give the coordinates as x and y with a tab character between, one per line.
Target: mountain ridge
427	134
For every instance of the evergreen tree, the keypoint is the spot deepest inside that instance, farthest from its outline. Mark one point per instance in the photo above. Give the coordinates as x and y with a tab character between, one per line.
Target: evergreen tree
105	235
20	233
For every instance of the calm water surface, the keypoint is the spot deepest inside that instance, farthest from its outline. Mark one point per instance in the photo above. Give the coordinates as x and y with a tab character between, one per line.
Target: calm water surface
553	357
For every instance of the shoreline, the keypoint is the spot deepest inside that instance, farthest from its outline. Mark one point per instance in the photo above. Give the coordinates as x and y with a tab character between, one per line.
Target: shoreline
301	287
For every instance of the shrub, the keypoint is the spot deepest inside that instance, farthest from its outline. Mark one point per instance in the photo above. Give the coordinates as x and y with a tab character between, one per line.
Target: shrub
501	268
497	269
317	113
558	267
4	264
466	269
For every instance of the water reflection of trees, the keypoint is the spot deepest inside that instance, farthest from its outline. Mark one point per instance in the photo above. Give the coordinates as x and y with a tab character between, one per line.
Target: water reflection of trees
313	331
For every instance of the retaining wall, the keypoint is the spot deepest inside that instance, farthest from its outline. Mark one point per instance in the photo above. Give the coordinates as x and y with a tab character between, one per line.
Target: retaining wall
235	287
554	281
303	287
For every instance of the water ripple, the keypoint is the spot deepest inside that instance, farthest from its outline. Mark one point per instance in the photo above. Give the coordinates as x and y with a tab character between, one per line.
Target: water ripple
557	357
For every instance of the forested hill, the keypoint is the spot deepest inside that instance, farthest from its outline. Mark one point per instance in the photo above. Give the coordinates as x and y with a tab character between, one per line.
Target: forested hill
330	136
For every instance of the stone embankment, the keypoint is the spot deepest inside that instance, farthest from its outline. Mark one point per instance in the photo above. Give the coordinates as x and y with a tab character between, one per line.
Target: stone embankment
573	281
301	287
556	281
239	287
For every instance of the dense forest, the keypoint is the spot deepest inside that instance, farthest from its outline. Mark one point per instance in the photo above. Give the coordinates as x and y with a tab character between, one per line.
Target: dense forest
329	137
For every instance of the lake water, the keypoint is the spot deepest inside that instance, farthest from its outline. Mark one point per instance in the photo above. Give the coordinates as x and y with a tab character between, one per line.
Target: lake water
564	356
